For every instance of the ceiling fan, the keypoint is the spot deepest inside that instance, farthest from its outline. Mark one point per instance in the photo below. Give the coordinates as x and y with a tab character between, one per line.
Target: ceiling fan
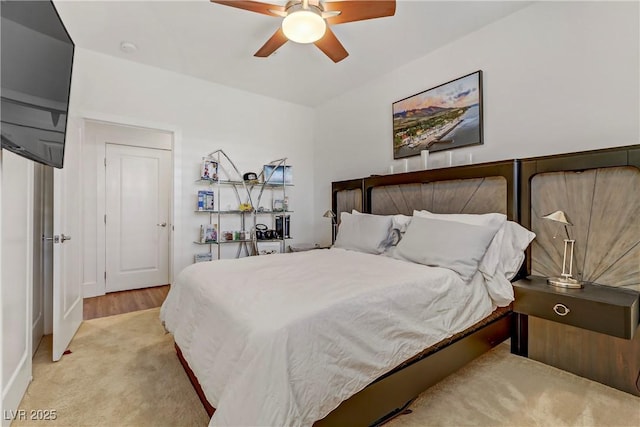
308	21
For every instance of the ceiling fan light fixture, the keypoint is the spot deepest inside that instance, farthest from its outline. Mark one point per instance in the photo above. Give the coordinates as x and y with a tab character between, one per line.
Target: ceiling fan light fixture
304	26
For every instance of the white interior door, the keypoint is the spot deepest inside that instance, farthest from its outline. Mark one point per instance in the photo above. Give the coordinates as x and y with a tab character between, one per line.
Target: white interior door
138	182
67	255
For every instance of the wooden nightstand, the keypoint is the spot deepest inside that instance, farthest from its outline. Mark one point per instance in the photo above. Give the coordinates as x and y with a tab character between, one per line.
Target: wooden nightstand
587	331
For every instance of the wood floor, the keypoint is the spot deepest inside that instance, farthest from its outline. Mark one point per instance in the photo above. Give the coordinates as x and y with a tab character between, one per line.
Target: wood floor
124	302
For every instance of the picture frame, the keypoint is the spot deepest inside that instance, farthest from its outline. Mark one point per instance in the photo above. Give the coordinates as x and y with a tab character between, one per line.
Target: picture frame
277	174
444	117
278	205
209	170
208	233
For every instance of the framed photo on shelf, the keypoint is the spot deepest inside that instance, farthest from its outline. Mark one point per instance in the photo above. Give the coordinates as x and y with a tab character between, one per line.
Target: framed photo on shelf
209	170
441	118
278	205
208	233
278	174
206	200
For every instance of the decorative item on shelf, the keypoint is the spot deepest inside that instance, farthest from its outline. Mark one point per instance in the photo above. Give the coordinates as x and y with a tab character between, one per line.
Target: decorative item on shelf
278	205
205	200
264	233
209	169
283	223
469	158
334	225
208	233
201	200
208	256
424	159
274	174
565	280
250	178
268	248
245	207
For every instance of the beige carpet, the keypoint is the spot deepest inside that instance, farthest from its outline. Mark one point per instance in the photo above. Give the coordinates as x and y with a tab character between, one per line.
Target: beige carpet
123	371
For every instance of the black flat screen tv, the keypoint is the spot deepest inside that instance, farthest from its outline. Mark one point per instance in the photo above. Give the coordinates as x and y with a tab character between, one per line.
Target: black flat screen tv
36	64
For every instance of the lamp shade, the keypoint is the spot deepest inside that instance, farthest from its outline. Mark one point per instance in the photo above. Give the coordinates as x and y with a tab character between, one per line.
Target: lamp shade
558	216
329	214
304	26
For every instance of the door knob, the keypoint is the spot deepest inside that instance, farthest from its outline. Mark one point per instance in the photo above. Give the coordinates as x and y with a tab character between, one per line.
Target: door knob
63	237
164	224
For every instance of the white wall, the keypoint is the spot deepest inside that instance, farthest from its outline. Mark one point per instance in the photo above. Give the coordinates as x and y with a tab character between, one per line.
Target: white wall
15	283
558	77
251	129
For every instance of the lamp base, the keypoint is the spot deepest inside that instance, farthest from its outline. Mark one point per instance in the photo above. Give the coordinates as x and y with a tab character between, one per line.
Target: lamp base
565	282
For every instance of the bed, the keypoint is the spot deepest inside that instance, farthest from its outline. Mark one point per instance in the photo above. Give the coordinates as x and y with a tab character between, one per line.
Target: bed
339	336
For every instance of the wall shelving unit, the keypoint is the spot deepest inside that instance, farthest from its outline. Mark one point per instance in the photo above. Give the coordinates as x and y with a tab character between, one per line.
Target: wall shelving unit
229	186
270	184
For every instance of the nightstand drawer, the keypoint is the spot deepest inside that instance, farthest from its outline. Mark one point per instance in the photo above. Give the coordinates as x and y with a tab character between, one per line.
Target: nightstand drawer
603	309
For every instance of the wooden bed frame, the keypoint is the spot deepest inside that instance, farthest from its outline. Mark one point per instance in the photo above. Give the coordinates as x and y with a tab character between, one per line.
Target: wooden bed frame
390	394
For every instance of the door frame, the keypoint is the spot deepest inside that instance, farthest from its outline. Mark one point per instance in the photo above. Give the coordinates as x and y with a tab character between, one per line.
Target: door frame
175	231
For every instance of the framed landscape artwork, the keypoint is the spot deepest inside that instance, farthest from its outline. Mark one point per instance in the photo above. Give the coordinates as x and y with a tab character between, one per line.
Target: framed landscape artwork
441	118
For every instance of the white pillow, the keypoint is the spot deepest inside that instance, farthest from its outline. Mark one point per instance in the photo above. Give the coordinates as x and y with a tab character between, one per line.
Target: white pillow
450	244
399	223
363	232
515	241
494	220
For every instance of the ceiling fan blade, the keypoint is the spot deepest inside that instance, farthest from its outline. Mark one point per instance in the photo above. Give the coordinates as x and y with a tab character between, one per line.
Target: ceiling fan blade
359	10
277	39
253	6
331	46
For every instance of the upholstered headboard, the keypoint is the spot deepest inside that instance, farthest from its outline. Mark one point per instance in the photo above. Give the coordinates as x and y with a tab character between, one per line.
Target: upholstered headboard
598	191
481	188
346	196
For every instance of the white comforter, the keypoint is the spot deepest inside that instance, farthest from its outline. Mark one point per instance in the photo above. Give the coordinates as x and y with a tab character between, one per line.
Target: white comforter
281	340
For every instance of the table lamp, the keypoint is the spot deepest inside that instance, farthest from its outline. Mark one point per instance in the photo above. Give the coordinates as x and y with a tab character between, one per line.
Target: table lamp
334	225
565	280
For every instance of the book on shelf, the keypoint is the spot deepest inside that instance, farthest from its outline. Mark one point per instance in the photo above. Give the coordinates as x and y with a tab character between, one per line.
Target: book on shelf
209	170
203	257
208	233
200	200
205	200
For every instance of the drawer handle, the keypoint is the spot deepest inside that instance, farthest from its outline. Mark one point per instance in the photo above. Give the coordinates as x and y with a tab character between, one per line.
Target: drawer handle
561	309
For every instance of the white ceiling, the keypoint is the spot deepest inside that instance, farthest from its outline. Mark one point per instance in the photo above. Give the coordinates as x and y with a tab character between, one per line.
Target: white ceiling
217	43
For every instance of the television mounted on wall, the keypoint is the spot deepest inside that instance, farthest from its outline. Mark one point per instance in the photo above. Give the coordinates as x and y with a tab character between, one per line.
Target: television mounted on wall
36	64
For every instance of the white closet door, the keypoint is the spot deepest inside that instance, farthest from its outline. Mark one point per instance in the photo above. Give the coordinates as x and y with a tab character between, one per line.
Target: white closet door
138	187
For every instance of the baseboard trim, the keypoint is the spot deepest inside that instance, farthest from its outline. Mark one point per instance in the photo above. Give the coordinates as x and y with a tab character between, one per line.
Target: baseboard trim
92	289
